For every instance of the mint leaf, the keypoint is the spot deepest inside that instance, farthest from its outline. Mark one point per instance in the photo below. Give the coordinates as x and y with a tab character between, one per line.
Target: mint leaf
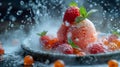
116	33
79	19
72	43
83	11
42	33
91	11
73	4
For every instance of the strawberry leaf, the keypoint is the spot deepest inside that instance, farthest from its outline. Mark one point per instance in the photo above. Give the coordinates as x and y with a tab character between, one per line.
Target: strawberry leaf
72	43
91	11
42	33
84	14
83	11
116	33
73	4
79	19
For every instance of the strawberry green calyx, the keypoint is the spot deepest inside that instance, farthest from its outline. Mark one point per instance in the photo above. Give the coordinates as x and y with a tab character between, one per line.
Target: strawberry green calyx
42	33
73	4
72	43
116	33
84	14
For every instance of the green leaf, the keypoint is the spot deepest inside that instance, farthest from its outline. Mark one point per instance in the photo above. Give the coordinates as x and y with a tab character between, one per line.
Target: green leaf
72	43
42	33
116	33
83	11
79	19
91	11
73	3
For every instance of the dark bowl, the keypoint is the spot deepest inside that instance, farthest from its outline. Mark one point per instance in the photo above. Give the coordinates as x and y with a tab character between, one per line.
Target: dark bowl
44	56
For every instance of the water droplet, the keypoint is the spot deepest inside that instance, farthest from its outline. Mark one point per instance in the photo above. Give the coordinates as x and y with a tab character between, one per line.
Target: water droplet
0	14
0	4
111	19
9	3
9	8
26	16
22	3
102	2
2	20
12	18
21	26
19	12
91	5
38	12
12	25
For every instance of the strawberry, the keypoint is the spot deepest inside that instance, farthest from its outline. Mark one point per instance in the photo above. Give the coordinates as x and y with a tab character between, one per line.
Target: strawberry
96	48
62	32
70	14
44	39
47	41
64	48
112	37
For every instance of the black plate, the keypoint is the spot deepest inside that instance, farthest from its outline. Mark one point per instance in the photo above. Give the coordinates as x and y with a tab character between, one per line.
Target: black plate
40	55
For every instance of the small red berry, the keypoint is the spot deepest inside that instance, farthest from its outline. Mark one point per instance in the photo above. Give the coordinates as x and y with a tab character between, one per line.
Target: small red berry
112	37
59	63
1	51
28	60
113	63
64	48
96	48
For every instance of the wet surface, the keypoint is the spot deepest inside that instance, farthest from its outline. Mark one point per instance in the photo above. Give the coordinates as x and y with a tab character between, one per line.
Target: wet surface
22	15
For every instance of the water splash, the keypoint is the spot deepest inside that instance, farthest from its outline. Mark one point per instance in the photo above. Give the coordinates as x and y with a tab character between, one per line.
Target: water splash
48	16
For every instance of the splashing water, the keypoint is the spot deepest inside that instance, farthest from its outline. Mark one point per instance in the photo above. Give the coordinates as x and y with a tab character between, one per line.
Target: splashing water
47	15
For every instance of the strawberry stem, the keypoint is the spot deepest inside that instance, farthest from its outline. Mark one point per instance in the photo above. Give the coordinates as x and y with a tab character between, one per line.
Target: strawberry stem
84	14
72	43
42	33
73	3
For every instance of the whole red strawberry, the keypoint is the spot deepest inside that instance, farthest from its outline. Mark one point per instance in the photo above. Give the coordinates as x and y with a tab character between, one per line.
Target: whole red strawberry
44	39
96	48
71	14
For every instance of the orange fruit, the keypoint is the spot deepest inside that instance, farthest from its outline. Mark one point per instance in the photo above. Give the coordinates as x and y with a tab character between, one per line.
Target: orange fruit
59	63
112	46
105	42
28	60
117	41
53	41
76	50
1	51
112	63
81	54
